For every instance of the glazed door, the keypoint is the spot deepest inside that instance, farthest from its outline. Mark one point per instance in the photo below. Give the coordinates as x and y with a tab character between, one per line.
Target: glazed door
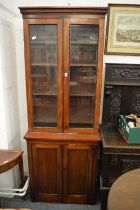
79	175
83	51
47	166
43	54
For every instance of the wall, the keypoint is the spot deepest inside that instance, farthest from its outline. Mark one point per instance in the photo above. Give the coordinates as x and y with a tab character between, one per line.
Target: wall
9	114
21	86
20	50
101	3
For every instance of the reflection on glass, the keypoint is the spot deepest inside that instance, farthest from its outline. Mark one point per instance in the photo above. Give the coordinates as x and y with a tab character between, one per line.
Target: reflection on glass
83	67
43	59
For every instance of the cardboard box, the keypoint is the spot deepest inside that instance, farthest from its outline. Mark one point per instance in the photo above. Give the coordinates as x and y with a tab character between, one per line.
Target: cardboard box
130	135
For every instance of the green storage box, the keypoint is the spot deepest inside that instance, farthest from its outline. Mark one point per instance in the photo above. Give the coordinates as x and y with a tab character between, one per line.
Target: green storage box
130	135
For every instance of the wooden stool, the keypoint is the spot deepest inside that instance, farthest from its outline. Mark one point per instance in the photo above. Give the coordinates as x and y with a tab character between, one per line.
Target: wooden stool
125	192
11	158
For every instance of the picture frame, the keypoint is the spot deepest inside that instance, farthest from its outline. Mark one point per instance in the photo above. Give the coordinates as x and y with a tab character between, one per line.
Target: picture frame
123	30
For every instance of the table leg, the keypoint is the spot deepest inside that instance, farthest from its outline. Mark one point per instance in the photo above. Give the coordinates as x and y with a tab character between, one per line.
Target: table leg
21	171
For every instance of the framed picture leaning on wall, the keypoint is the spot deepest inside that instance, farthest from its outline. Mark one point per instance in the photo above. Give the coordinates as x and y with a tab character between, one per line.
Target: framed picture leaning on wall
123	30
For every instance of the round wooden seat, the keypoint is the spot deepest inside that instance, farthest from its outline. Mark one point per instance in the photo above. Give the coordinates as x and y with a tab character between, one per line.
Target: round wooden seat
125	192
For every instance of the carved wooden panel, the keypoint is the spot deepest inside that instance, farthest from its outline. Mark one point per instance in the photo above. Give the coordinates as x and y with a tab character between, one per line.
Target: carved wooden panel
109	171
136	103
114	160
128	164
114	165
111	180
121	92
112	104
117	156
127	74
115	103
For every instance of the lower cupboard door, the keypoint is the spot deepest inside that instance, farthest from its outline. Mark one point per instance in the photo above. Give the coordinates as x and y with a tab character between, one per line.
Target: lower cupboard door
48	172
79	173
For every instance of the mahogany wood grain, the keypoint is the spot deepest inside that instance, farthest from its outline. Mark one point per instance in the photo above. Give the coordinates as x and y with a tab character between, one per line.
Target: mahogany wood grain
60	76
63	160
38	12
77	172
47	160
66	70
62	136
83	21
99	73
27	73
32	179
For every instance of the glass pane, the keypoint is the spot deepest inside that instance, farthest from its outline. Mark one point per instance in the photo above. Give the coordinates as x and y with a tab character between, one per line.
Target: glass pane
43	59
83	67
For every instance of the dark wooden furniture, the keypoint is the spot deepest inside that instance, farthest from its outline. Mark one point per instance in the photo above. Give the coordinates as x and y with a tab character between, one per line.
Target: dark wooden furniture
125	192
117	158
63	60
121	96
11	158
121	91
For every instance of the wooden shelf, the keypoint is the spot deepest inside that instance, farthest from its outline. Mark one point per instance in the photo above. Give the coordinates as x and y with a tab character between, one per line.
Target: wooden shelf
86	94
54	65
44	64
39	75
48	93
45	119
76	93
45	124
46	105
84	42
85	64
43	42
51	120
80	122
72	42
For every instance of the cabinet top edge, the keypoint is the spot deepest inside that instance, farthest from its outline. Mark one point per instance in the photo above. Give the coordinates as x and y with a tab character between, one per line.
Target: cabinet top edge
33	10
63	137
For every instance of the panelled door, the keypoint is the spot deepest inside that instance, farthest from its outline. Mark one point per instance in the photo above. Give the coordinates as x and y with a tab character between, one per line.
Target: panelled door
83	40
64	173
47	160
79	178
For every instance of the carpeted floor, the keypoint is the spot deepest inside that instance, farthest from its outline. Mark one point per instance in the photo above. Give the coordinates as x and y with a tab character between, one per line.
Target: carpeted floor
14	209
18	202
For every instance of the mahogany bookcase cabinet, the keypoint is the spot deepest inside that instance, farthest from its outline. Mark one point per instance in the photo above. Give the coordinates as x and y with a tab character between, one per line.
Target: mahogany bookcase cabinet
63	62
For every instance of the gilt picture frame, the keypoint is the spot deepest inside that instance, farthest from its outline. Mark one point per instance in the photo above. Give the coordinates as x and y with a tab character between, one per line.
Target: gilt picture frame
123	30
